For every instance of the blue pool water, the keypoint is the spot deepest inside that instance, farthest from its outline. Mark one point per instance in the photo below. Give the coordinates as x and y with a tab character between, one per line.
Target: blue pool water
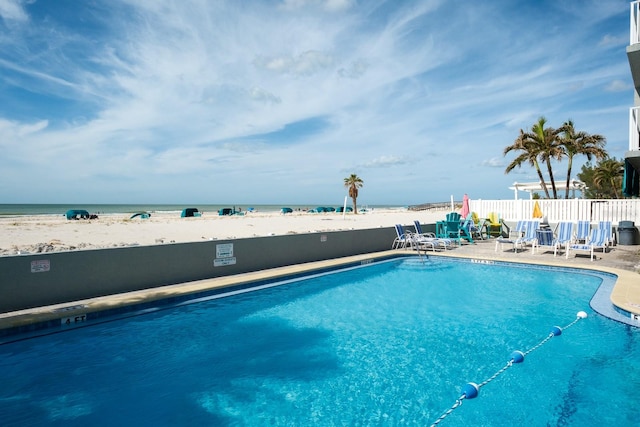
387	344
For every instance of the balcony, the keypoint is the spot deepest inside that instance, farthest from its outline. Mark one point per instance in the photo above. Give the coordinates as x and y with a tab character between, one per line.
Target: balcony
633	155
634	129
634	37
633	50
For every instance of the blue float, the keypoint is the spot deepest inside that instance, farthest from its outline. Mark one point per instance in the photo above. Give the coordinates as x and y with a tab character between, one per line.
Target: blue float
470	390
517	356
556	330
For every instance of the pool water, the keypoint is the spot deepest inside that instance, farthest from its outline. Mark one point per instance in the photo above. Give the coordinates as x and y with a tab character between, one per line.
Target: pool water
387	344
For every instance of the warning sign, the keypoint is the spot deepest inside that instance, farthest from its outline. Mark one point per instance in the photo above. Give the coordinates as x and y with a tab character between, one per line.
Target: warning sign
224	250
40	266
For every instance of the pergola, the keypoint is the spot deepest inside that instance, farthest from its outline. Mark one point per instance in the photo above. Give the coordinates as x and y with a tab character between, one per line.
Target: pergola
533	187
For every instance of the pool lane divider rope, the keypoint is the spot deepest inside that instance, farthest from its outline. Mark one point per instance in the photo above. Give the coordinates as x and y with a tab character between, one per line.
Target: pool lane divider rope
471	390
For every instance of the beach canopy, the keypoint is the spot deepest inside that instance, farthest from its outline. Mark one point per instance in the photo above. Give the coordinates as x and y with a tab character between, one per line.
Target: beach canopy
537	212
143	215
534	187
464	212
189	212
77	214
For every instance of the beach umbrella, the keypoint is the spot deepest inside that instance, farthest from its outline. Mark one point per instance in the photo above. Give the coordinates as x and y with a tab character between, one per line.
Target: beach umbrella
537	213
464	212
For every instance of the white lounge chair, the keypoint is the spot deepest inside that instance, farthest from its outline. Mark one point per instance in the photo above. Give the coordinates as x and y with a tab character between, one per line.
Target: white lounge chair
406	239
439	241
402	239
596	240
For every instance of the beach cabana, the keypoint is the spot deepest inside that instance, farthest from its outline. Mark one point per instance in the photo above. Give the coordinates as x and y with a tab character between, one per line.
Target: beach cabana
143	215
77	214
189	212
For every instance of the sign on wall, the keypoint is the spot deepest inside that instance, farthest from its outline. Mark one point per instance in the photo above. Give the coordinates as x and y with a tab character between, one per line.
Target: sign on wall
224	255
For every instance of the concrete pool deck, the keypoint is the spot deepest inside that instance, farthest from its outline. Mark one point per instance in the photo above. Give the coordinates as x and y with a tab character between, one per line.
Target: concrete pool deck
623	261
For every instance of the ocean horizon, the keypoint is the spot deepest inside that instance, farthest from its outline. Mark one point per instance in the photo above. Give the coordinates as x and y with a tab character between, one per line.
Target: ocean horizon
62	208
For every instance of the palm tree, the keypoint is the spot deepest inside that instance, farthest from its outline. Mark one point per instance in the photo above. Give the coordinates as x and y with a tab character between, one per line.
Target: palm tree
353	182
581	142
548	141
540	143
528	153
608	174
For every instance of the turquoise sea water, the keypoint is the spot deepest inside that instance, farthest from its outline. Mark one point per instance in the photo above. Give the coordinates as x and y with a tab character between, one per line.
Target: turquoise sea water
60	209
388	344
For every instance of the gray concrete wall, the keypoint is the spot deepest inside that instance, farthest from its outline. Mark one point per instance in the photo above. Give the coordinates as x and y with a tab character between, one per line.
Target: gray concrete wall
28	281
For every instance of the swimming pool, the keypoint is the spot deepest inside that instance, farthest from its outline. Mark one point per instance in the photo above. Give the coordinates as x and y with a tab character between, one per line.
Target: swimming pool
388	344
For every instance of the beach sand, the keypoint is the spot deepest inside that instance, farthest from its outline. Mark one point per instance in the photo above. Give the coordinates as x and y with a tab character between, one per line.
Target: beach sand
48	233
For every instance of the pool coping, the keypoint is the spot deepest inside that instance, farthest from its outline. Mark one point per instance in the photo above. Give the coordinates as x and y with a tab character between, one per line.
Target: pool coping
624	297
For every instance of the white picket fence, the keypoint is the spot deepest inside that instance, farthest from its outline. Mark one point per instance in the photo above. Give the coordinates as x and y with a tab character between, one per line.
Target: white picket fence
554	211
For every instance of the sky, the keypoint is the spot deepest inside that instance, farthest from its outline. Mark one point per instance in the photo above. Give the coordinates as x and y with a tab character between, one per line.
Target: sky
277	101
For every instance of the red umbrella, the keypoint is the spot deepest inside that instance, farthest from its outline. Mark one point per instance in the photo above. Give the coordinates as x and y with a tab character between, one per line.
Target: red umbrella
465	206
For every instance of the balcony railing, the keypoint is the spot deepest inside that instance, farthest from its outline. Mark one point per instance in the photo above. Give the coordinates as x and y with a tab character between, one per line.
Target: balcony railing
635	23
634	129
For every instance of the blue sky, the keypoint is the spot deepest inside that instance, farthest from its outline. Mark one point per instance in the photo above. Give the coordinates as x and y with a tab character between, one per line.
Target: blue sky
277	101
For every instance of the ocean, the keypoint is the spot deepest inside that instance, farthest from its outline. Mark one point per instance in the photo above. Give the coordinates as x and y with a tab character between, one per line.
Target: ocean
61	209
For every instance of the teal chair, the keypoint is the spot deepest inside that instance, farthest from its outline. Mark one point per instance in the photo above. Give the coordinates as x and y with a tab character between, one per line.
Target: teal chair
453	216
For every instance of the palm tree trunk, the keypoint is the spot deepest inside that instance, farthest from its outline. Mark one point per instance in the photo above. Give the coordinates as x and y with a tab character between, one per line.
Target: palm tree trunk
614	186
569	166
553	183
544	184
355	205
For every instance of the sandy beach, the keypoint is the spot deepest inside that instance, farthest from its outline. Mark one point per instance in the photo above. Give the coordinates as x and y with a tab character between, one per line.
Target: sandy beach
49	233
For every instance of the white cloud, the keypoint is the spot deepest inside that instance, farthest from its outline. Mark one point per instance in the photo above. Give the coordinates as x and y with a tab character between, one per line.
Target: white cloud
494	162
13	10
305	64
384	162
163	94
618	86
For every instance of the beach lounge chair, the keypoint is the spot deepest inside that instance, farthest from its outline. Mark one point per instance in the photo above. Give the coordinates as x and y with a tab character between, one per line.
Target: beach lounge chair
494	226
565	234
406	239
530	229
524	233
466	229
583	229
402	239
595	241
440	242
422	242
514	234
545	239
480	230
605	226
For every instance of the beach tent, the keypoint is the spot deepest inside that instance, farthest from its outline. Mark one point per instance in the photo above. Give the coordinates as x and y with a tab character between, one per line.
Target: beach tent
143	215
188	212
77	214
225	211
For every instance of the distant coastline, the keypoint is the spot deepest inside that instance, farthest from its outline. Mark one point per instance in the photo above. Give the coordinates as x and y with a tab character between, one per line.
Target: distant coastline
9	210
